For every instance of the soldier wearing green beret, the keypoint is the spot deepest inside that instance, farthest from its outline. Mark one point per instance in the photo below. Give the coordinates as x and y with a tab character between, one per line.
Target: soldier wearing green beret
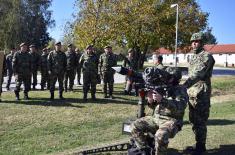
89	64
106	62
56	69
35	64
71	67
45	80
22	69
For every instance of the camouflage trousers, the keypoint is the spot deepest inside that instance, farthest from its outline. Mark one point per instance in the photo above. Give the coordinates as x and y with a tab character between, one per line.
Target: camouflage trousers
69	75
34	76
108	79
78	75
160	128
9	77
53	79
45	79
199	109
26	79
89	80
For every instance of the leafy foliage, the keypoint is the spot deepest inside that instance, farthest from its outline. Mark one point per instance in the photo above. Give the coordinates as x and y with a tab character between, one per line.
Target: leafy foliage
24	21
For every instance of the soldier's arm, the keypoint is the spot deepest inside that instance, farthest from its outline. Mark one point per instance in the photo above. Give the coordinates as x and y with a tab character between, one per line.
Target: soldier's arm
14	63
49	62
201	72
81	61
100	64
178	104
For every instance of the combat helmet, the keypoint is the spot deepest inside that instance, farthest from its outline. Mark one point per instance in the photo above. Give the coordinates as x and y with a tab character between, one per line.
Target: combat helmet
175	72
197	36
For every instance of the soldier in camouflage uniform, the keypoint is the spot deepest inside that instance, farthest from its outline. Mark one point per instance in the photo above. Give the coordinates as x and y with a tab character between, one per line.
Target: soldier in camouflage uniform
106	62
89	64
79	54
199	90
9	59
167	119
35	64
72	63
157	61
130	63
56	69
22	69
44	70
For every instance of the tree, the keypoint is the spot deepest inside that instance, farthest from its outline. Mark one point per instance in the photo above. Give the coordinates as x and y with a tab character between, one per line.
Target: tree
143	25
210	38
25	21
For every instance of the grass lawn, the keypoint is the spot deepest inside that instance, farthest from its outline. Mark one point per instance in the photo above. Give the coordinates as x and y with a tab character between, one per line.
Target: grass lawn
39	126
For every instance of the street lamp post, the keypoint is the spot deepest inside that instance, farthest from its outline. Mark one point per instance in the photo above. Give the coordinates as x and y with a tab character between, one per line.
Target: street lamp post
176	30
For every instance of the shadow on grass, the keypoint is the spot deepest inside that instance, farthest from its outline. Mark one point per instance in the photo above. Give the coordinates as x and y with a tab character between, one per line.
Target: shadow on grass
48	102
69	102
217	122
223	150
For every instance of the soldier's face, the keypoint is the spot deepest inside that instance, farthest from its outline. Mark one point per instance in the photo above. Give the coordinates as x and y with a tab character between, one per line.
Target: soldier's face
150	97
108	50
58	47
196	44
23	48
89	50
130	54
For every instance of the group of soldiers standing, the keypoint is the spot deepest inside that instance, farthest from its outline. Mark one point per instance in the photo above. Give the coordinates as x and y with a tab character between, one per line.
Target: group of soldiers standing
62	66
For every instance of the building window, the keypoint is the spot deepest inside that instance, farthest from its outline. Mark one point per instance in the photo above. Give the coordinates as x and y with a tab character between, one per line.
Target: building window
220	54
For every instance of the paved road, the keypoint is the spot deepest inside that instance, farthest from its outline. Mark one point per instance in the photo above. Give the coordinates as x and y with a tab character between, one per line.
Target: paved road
218	71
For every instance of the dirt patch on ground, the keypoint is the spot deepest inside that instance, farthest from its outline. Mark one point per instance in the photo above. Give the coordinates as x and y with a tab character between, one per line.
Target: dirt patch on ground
222	96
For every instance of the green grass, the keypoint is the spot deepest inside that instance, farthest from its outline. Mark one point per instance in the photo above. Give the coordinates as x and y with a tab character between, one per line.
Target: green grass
40	126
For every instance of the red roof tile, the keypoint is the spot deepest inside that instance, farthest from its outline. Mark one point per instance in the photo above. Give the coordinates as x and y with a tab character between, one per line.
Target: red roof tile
220	49
214	49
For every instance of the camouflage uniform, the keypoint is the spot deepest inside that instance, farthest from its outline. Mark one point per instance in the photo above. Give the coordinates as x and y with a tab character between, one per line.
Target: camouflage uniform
106	62
72	63
166	121
78	69
56	68
45	79
89	65
35	65
130	63
199	90
9	59
22	68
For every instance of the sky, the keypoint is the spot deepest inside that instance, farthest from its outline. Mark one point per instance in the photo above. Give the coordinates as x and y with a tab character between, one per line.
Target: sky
221	18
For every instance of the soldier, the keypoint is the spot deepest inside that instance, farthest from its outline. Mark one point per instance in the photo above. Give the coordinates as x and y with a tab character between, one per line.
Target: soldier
9	67
22	69
78	68
106	62
3	69
35	64
199	90
167	119
44	70
56	69
130	63
72	63
157	61
89	64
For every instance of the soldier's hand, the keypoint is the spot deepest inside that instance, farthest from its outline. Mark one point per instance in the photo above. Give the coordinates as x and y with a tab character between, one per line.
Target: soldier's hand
157	97
49	72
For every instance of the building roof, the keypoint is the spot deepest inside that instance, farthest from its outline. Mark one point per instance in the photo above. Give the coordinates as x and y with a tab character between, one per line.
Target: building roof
220	49
214	49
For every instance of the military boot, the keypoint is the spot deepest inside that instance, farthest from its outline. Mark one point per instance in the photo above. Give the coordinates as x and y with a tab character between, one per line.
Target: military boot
52	96
26	97
197	149
61	95
17	95
93	96
85	97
